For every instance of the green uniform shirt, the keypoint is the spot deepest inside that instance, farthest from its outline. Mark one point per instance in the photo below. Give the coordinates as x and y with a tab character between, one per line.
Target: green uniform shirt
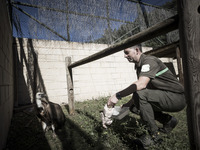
160	76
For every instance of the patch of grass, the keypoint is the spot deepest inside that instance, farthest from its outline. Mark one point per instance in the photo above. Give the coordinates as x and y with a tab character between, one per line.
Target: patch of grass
84	130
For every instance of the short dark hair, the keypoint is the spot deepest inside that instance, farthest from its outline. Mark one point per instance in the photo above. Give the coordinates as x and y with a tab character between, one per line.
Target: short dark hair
137	46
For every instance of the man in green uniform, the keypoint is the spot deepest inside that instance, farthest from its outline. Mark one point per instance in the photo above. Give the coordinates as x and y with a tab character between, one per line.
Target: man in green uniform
156	90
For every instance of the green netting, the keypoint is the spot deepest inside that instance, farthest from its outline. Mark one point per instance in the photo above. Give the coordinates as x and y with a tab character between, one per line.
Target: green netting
95	21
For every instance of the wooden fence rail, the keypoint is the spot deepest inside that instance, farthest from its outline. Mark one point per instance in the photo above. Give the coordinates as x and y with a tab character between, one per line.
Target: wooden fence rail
152	32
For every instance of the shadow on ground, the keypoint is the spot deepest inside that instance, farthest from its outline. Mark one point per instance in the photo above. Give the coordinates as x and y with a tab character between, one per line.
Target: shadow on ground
26	132
84	130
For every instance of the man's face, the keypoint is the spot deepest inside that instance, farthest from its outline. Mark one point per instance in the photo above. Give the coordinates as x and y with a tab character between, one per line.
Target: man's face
131	55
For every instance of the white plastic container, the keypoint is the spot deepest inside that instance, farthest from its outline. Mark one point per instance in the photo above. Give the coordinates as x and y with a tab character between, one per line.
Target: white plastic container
119	113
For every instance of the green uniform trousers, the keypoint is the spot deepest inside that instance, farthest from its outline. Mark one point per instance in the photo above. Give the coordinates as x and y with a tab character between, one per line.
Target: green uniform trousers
152	102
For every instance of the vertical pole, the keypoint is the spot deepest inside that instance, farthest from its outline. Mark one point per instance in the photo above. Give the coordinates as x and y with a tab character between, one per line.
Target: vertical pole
108	21
70	87
15	68
143	22
144	14
179	64
67	17
189	23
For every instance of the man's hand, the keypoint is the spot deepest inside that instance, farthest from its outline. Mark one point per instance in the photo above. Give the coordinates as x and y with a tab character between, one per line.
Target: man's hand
112	101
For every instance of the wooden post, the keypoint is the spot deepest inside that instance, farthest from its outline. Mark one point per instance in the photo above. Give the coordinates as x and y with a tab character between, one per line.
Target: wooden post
179	64
70	87
189	31
164	51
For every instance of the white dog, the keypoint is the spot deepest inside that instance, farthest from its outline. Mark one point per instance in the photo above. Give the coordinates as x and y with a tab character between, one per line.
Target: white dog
106	116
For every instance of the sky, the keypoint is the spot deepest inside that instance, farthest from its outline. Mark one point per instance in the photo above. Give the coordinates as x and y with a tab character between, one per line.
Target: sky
77	25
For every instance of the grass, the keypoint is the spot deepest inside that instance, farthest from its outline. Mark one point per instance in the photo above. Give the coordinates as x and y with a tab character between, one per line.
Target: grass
84	131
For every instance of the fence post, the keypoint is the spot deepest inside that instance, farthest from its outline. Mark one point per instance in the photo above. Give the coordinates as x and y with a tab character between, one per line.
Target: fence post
179	64
70	87
189	16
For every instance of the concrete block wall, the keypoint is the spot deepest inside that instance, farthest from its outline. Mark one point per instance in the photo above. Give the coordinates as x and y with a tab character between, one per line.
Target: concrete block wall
6	73
100	78
103	77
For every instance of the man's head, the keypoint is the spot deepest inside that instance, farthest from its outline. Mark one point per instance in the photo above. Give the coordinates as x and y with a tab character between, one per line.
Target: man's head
133	53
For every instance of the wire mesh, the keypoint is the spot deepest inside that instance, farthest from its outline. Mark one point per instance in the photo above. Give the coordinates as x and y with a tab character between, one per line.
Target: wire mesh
91	21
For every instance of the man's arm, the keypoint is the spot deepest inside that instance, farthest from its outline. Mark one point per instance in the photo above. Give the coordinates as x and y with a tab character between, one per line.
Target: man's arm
140	84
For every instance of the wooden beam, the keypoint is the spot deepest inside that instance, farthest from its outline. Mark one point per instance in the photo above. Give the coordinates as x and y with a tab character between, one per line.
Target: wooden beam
154	31
164	51
70	88
154	6
189	14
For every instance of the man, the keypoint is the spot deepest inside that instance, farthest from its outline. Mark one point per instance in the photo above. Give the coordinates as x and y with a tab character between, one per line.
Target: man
156	90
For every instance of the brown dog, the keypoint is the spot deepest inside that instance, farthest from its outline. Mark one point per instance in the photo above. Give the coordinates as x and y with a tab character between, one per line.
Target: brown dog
49	113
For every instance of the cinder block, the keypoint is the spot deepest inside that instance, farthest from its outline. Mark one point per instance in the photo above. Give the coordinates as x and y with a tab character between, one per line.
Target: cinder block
102	76
50	65
59	100
56	85
57	92
56	58
95	64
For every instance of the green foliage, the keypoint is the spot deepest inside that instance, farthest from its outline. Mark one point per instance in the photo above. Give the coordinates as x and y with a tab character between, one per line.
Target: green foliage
84	130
